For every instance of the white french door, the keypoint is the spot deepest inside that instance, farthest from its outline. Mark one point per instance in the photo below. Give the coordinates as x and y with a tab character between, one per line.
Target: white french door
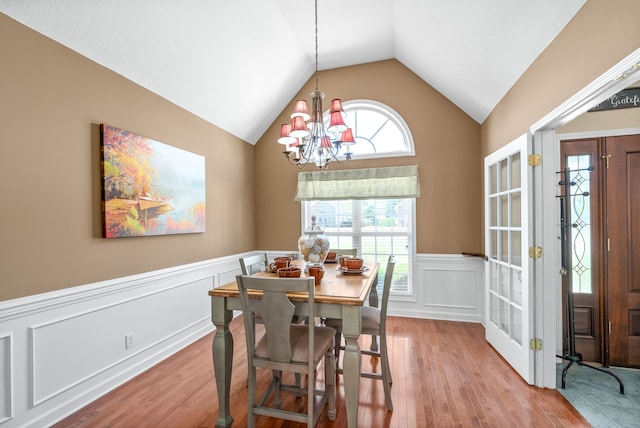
507	282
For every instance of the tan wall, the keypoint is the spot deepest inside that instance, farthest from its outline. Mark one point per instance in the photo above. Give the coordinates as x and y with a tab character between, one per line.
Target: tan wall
51	103
447	152
601	34
603	120
53	99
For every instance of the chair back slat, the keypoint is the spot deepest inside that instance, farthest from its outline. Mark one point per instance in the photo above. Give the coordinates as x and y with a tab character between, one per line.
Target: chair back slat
353	252
275	309
277	313
386	288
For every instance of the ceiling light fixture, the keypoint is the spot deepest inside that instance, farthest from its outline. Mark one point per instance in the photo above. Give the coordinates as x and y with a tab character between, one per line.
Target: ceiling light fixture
306	139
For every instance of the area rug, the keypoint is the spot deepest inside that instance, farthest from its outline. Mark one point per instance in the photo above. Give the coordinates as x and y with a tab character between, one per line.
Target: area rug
597	397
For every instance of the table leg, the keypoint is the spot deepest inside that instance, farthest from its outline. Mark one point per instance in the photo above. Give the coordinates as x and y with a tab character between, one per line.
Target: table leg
351	361
373	302
222	349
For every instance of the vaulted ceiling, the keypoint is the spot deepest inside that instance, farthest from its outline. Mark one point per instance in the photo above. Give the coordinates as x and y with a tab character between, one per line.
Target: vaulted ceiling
238	63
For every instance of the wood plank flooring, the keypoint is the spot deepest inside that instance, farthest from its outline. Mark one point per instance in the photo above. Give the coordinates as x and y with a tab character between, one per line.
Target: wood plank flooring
444	375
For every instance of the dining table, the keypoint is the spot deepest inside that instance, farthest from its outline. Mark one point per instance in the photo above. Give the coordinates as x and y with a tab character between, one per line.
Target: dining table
340	294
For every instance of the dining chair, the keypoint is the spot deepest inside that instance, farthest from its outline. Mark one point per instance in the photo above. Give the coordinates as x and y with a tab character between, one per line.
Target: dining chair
374	322
286	347
253	264
353	252
257	263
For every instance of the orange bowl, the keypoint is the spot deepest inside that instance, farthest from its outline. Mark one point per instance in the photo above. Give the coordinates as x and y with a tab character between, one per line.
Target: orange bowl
354	263
289	272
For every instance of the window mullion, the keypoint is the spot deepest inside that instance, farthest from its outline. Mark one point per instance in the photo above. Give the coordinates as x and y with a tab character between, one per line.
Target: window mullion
356	224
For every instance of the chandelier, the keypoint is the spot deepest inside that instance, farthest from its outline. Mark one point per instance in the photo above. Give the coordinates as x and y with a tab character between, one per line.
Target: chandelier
306	139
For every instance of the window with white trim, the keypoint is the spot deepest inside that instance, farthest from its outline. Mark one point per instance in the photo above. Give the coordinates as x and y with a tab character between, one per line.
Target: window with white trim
377	228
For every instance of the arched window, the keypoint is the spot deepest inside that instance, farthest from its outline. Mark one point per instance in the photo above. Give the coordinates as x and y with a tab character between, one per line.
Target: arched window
379	130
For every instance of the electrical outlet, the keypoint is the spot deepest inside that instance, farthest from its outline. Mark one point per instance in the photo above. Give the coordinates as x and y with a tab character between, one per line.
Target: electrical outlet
129	341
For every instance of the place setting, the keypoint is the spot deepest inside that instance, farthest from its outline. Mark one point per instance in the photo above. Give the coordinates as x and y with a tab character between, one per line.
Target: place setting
279	263
352	265
332	257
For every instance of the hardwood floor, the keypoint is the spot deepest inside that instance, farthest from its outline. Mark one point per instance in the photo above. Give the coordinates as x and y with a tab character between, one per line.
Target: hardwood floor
444	375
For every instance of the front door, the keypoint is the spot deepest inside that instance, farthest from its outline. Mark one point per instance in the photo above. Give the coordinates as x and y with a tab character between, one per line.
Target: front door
584	249
623	255
605	248
506	242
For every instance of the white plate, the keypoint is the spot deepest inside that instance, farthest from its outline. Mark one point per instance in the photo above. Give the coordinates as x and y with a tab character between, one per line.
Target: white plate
348	271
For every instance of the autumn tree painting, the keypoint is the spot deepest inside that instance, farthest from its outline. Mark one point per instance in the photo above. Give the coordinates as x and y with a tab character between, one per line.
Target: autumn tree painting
149	188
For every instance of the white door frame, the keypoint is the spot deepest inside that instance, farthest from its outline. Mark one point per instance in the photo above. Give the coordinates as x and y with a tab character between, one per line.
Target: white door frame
546	278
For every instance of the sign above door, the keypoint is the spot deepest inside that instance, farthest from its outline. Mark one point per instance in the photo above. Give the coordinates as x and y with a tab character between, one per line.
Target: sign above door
626	98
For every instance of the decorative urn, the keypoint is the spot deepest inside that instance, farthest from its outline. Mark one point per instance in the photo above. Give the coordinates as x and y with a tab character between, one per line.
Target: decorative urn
313	244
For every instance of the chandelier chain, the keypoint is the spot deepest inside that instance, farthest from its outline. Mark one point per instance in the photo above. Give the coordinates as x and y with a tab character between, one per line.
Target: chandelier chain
307	140
316	34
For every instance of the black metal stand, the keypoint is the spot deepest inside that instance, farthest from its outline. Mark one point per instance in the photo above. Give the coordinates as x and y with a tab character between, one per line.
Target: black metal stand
565	224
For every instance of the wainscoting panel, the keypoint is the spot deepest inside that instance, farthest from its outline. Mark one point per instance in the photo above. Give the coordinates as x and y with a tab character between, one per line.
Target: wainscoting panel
447	287
450	289
6	368
62	350
66	352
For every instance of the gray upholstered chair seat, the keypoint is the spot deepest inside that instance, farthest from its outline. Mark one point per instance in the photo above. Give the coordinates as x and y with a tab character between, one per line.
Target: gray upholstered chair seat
370	319
299	339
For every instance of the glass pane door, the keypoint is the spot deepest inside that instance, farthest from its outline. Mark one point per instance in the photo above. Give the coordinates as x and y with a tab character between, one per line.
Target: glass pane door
506	238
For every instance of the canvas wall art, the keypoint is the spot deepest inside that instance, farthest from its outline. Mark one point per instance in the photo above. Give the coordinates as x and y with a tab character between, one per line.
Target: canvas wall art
149	188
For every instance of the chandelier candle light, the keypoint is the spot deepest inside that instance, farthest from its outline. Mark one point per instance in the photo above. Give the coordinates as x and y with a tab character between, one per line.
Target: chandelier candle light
306	139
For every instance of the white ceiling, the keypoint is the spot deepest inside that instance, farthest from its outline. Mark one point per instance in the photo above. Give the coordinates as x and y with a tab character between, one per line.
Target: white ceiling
238	63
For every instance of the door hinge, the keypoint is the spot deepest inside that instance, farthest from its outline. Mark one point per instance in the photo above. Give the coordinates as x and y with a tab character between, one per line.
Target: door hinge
609	327
606	160
608	244
534	160
535	344
535	252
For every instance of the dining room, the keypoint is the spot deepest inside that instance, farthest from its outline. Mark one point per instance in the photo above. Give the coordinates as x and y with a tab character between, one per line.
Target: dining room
83	311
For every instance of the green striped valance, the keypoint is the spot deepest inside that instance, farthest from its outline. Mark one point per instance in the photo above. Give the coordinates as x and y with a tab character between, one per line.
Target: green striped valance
370	183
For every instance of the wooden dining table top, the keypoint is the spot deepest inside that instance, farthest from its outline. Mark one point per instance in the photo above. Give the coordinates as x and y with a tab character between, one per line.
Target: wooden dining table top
335	287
